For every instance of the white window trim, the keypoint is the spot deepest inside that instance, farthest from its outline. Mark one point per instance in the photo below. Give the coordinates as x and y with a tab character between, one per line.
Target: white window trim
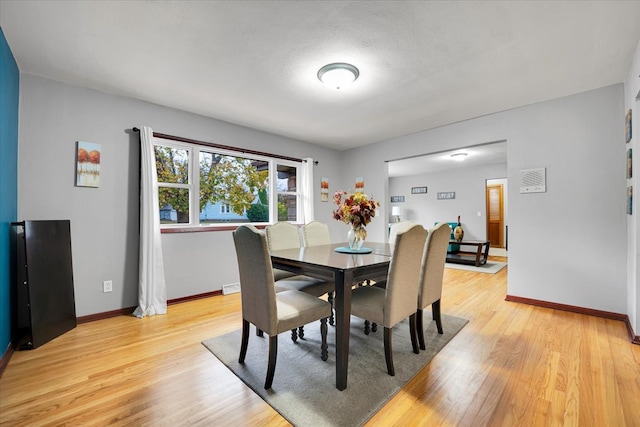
194	183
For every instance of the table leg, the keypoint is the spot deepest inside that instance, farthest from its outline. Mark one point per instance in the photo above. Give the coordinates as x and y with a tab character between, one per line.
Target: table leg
342	303
486	252
478	253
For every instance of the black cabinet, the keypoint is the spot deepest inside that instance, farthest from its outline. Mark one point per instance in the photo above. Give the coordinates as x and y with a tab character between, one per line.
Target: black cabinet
43	296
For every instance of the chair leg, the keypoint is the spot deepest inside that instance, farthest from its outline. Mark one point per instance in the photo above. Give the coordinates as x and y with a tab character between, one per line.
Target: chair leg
435	307
273	355
412	331
245	340
420	329
332	317
294	335
374	327
259	332
388	351
367	328
324	354
301	332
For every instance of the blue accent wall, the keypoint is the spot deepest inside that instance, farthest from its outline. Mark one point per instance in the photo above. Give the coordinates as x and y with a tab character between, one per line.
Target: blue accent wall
9	104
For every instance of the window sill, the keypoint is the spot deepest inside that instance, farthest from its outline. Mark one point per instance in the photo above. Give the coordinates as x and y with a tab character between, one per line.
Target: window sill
205	228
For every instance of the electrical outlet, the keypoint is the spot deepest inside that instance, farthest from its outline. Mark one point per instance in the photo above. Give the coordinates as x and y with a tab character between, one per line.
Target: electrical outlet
107	286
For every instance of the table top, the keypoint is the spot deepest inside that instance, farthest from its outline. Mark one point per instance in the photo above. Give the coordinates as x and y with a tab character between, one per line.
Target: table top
326	256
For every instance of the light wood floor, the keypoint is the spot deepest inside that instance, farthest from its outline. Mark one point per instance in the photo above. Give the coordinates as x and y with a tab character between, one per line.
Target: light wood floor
512	365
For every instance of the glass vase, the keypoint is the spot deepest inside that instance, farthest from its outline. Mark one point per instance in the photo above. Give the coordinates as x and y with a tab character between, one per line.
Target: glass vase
356	236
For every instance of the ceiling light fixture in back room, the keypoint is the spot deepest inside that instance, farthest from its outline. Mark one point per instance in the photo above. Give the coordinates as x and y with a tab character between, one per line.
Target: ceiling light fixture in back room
338	74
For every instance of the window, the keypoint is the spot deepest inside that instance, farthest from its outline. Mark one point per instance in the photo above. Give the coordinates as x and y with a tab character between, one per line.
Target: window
223	186
287	194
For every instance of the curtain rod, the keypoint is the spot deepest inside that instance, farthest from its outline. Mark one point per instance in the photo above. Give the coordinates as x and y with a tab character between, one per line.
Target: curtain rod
224	147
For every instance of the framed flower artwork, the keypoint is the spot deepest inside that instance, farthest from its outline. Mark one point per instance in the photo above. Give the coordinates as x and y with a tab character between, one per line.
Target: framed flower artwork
87	164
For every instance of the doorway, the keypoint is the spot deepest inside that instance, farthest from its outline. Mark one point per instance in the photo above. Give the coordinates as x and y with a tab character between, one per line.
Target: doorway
496	213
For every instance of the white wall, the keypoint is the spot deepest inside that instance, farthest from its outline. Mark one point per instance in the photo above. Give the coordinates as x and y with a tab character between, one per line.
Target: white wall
469	185
567	245
104	220
632	102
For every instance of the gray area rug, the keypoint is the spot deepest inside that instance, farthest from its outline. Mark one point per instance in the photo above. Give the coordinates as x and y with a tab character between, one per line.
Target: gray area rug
491	267
304	389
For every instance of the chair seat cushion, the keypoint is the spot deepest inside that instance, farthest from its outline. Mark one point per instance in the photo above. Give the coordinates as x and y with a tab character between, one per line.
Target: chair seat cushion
282	274
297	308
367	302
306	284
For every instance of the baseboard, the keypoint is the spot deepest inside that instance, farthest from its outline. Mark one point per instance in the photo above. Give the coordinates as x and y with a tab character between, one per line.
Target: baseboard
129	310
635	339
194	297
5	358
105	315
632	336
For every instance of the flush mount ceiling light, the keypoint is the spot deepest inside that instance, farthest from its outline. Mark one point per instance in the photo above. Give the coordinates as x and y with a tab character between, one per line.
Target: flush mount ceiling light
459	156
338	74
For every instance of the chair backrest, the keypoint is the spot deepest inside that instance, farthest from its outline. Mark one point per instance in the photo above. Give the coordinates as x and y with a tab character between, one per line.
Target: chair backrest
398	227
404	274
282	235
316	233
433	260
256	278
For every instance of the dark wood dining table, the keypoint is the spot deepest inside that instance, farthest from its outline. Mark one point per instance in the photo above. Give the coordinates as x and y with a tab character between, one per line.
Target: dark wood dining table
345	270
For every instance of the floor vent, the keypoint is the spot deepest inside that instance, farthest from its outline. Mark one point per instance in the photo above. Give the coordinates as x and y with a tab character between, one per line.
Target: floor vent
232	288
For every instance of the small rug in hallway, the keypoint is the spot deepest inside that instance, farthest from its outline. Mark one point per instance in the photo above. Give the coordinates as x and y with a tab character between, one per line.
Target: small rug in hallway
491	267
304	390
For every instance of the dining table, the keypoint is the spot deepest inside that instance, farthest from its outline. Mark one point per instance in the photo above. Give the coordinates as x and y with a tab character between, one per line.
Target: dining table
345	270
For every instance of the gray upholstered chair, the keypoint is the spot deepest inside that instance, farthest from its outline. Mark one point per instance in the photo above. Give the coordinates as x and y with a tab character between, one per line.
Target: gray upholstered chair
284	235
398	227
316	233
430	290
270	312
397	301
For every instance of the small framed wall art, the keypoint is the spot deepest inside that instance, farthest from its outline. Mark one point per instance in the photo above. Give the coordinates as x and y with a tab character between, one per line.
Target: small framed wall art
418	190
627	126
630	200
397	199
324	189
629	163
87	164
447	195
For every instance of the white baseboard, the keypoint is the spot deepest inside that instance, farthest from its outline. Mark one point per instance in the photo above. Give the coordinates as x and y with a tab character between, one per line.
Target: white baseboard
497	252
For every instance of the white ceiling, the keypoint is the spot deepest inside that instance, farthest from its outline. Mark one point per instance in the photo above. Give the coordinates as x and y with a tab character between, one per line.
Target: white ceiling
479	155
254	63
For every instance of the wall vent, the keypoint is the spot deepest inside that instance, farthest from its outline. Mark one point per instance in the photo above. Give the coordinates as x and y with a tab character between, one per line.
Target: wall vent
232	288
533	180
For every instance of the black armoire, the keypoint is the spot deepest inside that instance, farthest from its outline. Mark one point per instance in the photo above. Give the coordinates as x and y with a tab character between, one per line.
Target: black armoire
43	296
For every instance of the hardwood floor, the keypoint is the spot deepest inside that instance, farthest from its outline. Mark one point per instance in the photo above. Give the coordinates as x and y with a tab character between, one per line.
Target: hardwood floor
512	365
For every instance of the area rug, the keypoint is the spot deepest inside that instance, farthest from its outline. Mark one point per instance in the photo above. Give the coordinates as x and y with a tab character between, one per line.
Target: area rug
304	390
491	267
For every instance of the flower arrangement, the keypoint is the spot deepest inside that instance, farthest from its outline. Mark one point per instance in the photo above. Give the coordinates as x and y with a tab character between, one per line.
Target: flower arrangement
356	209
